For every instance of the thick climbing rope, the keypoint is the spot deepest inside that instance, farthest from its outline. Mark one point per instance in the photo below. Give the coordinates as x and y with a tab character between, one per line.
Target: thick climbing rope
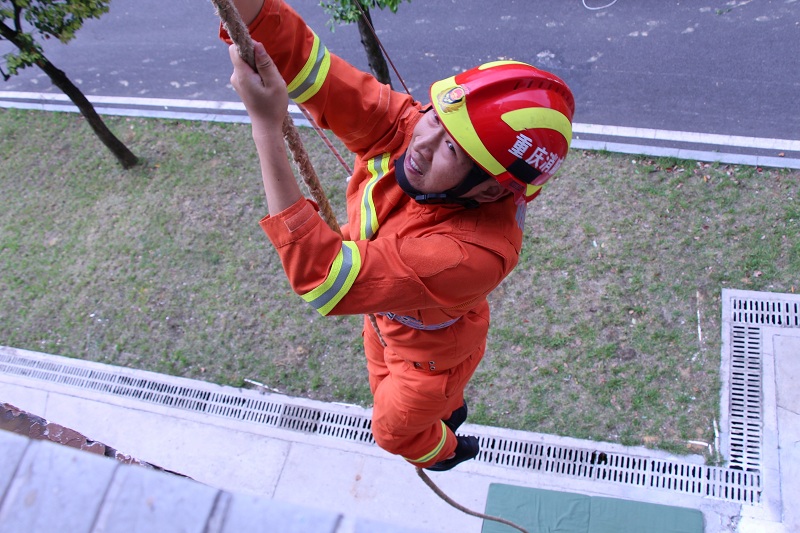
240	35
439	492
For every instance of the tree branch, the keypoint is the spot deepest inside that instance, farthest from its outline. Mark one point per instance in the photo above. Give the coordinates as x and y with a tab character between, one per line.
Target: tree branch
17	16
9	34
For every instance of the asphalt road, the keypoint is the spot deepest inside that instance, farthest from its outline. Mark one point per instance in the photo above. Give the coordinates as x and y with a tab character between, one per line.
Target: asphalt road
713	67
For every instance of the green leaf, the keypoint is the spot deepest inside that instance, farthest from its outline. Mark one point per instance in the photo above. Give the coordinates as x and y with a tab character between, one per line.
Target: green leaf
347	12
60	19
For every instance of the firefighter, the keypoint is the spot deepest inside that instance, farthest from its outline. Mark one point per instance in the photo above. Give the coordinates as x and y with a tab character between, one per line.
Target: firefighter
435	206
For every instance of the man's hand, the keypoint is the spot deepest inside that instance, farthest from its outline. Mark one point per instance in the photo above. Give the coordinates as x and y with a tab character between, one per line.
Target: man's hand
264	92
265	97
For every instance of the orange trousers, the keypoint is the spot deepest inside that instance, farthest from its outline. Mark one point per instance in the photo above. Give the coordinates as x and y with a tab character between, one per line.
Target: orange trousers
410	403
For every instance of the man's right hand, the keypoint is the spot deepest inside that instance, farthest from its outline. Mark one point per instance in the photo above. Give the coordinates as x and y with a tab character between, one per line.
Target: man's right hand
264	92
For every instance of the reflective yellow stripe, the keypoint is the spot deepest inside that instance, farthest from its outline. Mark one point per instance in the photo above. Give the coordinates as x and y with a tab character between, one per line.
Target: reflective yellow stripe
530	189
539	117
342	274
428	456
378	167
493	64
309	80
460	127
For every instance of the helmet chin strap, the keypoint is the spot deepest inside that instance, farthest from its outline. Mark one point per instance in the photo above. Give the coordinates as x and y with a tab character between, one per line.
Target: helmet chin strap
451	196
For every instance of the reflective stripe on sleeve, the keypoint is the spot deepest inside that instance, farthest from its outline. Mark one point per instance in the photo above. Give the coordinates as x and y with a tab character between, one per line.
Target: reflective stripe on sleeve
378	167
433	453
342	274
309	80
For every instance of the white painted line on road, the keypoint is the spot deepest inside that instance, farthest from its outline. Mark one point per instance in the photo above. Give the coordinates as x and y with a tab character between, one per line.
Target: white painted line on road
144	102
124	100
115	111
203	110
689	137
134	101
119	112
694	155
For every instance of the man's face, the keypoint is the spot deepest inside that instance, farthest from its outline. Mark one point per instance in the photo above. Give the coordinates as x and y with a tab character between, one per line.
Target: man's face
434	163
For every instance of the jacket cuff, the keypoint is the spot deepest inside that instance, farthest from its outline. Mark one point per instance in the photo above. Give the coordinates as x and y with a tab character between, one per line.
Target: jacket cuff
291	224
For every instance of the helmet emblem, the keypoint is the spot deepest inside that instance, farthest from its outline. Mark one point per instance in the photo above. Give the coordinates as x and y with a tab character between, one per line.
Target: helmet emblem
452	99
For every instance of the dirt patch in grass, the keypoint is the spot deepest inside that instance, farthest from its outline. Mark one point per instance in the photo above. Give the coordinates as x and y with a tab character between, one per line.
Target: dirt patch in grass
608	329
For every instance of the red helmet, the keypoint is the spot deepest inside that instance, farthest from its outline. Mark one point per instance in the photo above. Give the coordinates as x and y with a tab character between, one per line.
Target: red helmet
512	119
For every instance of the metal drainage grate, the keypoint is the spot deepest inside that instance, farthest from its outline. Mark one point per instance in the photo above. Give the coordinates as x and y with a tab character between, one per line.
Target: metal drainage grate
121	382
749	312
765	312
353	428
646	472
744	398
589	464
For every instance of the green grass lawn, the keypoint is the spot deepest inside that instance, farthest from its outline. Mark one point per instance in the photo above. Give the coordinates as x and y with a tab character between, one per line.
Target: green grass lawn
608	329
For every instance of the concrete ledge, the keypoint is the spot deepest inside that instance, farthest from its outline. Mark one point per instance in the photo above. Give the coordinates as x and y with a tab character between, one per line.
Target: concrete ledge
45	486
350	477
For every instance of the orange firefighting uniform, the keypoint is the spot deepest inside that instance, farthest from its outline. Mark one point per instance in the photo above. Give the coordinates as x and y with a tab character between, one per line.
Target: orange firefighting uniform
425	270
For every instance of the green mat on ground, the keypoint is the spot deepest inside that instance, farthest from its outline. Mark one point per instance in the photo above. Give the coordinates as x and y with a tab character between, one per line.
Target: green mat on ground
547	511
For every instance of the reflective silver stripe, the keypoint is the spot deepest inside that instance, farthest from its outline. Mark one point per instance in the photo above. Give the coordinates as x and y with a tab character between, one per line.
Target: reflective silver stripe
522	210
341	277
416	324
378	167
308	81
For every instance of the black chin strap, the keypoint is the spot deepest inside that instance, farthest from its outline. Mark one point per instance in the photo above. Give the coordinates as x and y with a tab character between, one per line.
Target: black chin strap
450	196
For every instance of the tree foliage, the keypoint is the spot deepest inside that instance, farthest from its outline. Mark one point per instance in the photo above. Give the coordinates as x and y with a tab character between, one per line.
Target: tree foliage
22	20
347	12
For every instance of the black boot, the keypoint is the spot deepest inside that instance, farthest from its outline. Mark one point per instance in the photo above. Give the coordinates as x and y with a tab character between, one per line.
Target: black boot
466	449
457	418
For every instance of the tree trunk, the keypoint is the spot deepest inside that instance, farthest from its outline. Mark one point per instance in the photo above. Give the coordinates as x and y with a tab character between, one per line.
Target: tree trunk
125	157
377	63
120	151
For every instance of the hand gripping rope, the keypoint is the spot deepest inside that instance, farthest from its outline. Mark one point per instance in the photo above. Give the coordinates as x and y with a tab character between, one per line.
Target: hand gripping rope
239	34
241	37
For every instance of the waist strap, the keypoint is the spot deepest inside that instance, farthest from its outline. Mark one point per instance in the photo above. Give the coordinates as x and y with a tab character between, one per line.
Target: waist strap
416	324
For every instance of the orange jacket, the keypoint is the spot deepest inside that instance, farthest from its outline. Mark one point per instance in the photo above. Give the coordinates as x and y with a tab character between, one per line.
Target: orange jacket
430	266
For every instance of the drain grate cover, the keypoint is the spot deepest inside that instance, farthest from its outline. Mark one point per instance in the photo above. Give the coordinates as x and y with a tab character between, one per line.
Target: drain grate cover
592	464
746	314
745	398
737	485
765	311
